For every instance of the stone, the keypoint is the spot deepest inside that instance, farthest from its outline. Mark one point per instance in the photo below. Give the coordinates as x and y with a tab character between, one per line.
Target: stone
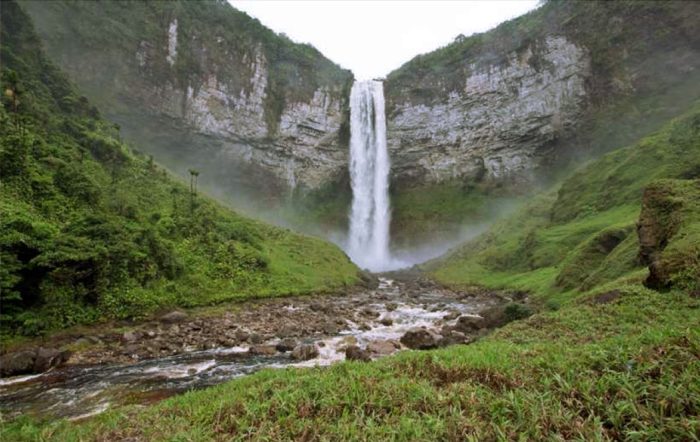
256	338
355	353
451	316
173	317
469	323
386	321
16	363
382	347
420	339
286	344
305	352
47	358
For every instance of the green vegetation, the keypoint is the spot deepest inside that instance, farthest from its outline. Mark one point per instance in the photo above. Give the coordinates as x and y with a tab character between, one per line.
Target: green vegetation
625	369
584	234
90	229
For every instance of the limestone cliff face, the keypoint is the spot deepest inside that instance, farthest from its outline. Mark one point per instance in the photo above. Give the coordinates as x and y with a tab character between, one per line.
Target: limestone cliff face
495	124
206	80
501	107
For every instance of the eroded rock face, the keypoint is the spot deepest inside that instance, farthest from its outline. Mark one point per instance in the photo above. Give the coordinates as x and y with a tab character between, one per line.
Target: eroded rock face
495	124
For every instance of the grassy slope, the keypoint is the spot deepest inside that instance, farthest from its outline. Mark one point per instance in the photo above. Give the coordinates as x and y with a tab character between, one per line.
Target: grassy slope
617	361
91	229
584	234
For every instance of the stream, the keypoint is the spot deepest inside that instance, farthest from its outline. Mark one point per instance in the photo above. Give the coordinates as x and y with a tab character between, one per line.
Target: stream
78	391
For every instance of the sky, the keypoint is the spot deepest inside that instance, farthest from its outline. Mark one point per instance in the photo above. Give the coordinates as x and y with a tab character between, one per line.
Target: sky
372	38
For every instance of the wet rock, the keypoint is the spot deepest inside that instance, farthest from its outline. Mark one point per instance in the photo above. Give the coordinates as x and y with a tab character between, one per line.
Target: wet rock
48	358
420	339
391	306
286	344
263	350
382	347
355	353
173	317
305	352
386	321
346	342
364	327
451	316
16	363
468	323
368	312
256	338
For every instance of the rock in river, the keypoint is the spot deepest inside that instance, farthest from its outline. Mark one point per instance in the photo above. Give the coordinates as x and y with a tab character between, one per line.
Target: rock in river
305	352
420	339
355	353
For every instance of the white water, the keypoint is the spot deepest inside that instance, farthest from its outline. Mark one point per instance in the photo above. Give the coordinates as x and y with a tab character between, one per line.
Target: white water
368	242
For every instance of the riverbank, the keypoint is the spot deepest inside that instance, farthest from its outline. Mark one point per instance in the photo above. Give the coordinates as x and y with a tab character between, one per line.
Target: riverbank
179	351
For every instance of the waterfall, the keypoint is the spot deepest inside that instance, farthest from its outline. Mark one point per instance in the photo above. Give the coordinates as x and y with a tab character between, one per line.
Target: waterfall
368	242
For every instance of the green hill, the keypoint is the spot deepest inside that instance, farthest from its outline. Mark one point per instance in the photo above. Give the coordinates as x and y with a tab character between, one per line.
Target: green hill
584	234
91	229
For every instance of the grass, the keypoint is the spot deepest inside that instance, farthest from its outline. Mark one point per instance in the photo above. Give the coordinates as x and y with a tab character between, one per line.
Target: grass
90	229
582	233
627	369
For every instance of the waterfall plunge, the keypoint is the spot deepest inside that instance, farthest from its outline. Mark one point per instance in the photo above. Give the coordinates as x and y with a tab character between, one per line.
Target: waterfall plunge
368	242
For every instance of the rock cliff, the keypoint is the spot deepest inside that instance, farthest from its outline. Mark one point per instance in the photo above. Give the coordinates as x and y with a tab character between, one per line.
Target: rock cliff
497	107
206	86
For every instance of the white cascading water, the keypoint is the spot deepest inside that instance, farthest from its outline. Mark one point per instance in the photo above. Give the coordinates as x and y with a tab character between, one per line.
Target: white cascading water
368	242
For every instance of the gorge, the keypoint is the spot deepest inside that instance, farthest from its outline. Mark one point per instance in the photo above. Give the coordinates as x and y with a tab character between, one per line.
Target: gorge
498	241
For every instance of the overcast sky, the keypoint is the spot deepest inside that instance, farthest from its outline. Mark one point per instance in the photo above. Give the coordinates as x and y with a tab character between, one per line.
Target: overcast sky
372	38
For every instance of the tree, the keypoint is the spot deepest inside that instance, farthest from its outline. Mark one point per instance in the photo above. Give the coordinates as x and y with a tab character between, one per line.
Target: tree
193	186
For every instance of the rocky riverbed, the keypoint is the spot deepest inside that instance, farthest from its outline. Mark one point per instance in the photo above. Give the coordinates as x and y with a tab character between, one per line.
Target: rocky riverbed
180	351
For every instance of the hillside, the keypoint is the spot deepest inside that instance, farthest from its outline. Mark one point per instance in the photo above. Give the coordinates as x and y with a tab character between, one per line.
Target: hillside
92	229
587	232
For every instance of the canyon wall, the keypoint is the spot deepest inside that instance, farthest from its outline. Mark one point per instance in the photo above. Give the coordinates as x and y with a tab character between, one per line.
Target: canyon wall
202	85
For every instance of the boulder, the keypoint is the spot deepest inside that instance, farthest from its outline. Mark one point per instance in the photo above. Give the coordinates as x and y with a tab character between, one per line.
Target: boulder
304	352
48	358
468	323
382	347
286	344
16	363
355	353
386	321
420	339
173	317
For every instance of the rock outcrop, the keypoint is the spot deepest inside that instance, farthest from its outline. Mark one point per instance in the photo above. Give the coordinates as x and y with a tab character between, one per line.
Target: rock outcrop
208	88
495	124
